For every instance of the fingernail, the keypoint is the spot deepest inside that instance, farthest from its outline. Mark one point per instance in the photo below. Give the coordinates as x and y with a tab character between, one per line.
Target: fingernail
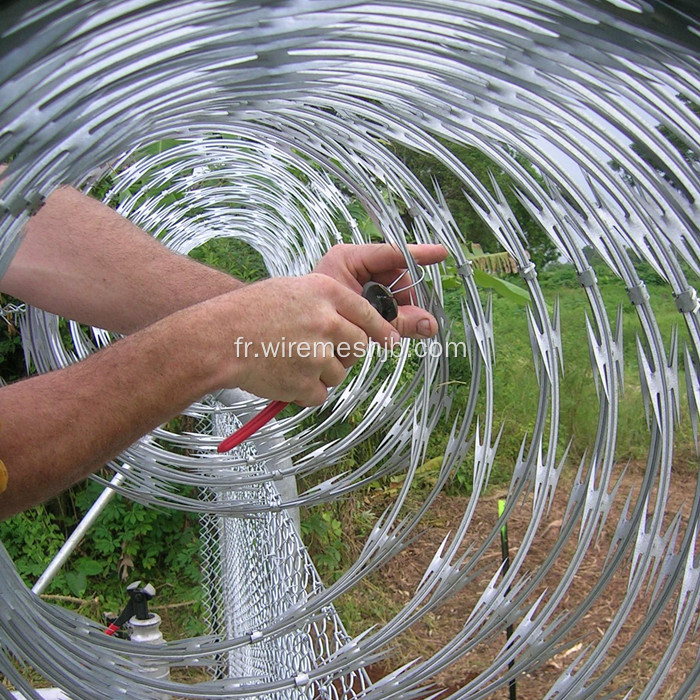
423	328
395	337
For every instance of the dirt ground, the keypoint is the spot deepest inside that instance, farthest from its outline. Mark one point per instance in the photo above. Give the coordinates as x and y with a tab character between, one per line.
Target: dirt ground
398	581
387	592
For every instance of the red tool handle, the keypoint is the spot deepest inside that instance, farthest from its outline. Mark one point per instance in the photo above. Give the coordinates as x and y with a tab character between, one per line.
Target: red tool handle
252	426
381	299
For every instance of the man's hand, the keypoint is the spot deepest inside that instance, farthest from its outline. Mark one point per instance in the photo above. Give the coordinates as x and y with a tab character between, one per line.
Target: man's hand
192	330
292	338
354	265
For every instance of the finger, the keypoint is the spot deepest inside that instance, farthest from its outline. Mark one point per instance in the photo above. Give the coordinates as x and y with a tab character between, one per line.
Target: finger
401	281
333	373
358	311
344	343
375	259
427	253
396	276
348	354
313	396
414	322
350	342
378	258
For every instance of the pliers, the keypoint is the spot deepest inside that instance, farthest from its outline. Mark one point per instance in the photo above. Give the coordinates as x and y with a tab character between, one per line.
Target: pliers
381	298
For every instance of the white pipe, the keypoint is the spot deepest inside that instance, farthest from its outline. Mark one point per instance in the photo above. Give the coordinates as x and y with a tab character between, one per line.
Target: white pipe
44	693
77	535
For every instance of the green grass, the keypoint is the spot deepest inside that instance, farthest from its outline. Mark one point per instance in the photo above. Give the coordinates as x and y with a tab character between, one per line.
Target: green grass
515	383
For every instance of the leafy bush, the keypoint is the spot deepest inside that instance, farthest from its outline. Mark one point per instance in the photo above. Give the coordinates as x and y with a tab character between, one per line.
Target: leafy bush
561	275
11	353
323	536
128	541
31	538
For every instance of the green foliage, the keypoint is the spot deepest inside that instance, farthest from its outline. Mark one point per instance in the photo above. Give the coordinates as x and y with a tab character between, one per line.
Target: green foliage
561	275
77	576
688	151
365	224
128	541
452	282
133	541
232	255
427	169
502	286
323	535
31	538
11	353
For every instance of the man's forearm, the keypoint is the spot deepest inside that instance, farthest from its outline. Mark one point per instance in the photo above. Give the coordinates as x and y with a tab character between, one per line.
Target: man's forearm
59	427
191	330
82	260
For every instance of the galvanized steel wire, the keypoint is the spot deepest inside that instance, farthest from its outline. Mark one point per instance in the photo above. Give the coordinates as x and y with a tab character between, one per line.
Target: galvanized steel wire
279	111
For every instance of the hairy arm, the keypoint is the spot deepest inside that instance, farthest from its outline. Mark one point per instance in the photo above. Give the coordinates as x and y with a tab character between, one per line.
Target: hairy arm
59	427
82	260
184	324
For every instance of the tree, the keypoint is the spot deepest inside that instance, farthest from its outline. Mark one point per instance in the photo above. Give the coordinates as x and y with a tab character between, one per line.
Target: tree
426	168
688	152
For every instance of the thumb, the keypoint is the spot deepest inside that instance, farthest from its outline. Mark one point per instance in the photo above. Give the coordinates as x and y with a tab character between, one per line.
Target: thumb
414	322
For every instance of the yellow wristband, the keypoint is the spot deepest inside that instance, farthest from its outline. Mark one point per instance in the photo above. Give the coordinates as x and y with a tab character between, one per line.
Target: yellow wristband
3	476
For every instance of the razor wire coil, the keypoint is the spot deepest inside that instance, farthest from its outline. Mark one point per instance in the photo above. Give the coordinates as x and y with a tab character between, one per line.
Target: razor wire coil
281	114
